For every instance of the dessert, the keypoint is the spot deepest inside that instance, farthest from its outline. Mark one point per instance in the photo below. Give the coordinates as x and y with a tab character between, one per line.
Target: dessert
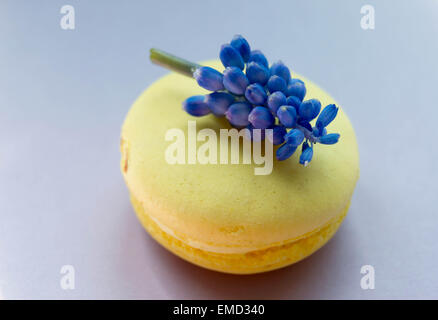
223	216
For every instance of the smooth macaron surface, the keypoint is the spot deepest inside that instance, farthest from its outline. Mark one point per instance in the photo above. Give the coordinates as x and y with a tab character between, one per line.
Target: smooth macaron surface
226	208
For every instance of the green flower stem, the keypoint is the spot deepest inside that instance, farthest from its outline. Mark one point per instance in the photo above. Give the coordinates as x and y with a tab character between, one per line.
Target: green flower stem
173	63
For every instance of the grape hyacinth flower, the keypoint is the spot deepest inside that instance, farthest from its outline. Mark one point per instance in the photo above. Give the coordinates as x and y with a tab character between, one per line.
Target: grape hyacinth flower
209	78
330	138
230	57
235	81
285	151
296	88
257	73
261	118
276	100
277	83
278	133
259	57
196	106
218	102
309	109
326	116
318	133
306	154
294	137
253	95
240	44
294	102
287	116
279	69
238	113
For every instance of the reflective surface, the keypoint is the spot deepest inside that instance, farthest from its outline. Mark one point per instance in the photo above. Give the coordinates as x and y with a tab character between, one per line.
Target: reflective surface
64	95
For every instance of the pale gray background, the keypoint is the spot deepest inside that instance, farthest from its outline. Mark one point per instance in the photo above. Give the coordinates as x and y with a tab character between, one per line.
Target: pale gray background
64	95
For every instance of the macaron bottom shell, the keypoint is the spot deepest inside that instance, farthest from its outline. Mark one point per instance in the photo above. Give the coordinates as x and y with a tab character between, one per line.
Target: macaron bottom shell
252	262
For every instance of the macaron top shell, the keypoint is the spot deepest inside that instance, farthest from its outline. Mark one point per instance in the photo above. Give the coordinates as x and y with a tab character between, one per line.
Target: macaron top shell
226	208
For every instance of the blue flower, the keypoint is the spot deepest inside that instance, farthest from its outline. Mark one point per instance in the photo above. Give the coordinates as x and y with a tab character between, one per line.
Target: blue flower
235	80
305	124
230	57
279	69
285	151
242	46
294	102
306	154
327	115
261	118
294	137
196	106
263	98
287	116
237	114
275	101
317	133
257	73
259	57
256	94
330	138
277	136
276	83
309	109
296	88
209	78
218	102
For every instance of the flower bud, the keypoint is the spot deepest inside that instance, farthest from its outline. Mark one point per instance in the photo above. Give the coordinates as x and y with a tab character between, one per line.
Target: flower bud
257	73
196	106
275	101
279	69
306	154
242	46
309	109
296	88
238	114
285	151
287	116
294	102
276	83
330	138
277	135
209	78
294	137
230	57
235	80
261	118
259	57
305	124
328	114
255	94
218	102
317	132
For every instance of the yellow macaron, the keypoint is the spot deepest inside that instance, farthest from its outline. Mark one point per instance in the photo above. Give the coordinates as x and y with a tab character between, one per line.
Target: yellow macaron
222	216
